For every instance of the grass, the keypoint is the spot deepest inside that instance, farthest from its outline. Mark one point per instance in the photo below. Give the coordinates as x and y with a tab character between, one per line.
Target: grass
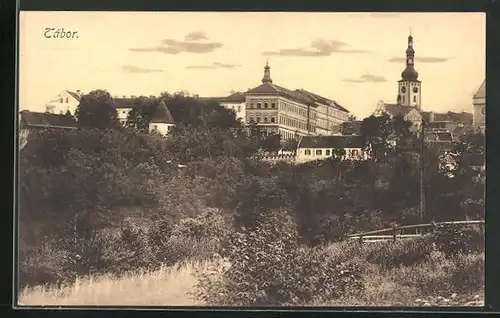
435	281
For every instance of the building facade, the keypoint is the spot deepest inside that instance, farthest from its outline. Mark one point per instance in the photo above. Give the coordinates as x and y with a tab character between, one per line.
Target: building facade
291	113
311	148
479	107
66	101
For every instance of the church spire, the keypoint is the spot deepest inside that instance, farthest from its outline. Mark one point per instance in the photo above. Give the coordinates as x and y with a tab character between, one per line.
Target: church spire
267	74
409	74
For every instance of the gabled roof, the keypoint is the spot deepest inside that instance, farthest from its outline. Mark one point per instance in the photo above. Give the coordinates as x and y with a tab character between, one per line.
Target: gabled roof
162	115
74	95
337	142
273	89
35	119
462	117
426	116
396	109
481	92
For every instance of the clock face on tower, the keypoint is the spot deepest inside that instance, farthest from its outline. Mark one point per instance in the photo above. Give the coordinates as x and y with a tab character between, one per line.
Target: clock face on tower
403	89
415	89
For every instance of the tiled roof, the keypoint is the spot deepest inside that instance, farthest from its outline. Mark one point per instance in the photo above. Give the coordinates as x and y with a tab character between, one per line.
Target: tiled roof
481	92
426	116
273	89
320	99
462	117
74	95
432	136
35	119
162	115
126	102
337	142
396	109
237	97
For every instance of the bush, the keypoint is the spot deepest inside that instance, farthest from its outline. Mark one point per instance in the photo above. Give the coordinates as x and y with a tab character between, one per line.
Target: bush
454	239
268	267
402	252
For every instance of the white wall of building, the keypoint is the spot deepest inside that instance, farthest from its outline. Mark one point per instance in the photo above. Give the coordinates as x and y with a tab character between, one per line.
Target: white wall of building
239	109
311	154
161	128
63	102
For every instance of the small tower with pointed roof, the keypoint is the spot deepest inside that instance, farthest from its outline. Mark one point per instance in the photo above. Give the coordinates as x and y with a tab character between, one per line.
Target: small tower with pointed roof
267	74
409	86
162	121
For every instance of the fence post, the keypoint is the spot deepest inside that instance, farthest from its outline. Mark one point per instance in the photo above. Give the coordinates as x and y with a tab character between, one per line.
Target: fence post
394	233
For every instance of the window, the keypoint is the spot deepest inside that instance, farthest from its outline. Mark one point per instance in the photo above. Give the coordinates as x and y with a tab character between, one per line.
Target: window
258	119
265	105
258	105
327	152
250	105
319	152
273	105
272	119
239	108
67	100
61	100
307	152
155	127
414	99
265	119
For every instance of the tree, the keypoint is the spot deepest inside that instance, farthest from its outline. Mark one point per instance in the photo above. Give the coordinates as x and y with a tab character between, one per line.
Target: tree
271	142
140	116
377	131
290	145
97	110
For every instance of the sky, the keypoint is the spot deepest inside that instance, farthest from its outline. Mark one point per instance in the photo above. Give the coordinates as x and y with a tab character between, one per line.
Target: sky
355	59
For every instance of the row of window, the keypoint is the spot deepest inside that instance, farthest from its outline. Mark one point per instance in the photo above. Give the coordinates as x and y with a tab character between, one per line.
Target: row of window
262	105
414	99
293	123
328	152
61	100
265	120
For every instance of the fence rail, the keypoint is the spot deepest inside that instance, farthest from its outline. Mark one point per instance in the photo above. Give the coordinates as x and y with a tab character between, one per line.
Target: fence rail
395	232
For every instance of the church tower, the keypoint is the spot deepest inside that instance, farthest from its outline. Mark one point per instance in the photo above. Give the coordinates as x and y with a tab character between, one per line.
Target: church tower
409	93
267	74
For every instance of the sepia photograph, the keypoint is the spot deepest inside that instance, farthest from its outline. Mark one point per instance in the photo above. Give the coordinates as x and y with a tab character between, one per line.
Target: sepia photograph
246	159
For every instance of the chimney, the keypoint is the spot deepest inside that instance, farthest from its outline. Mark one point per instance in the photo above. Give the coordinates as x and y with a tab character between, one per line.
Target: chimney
79	92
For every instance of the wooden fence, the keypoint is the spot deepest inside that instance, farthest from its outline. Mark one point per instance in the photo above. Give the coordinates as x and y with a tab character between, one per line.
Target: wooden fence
395	233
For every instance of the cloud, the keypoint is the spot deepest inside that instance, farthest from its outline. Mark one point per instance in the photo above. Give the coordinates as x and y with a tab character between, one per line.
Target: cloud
196	36
317	48
136	69
191	45
420	59
215	65
367	78
384	15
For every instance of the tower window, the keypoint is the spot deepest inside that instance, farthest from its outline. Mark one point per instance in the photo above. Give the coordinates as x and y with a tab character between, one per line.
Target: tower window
414	99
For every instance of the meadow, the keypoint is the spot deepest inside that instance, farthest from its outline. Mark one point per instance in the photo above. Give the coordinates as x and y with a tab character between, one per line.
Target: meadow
433	280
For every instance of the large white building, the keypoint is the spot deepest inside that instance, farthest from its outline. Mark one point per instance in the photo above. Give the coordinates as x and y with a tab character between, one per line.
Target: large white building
311	148
62	103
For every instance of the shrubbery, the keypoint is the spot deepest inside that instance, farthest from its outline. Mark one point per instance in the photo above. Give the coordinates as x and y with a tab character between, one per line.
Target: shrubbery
269	267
